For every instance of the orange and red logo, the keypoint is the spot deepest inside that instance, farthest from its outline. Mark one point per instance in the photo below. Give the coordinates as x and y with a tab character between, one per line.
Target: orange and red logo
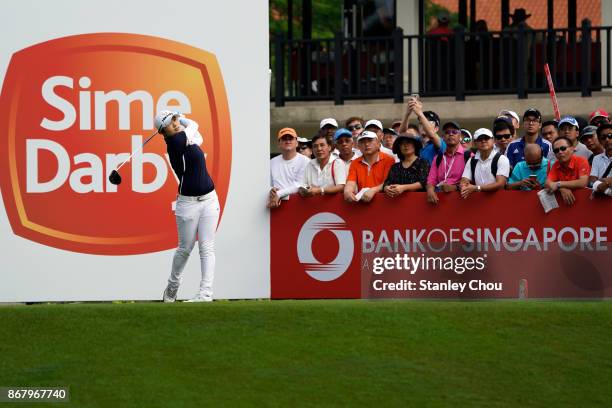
74	108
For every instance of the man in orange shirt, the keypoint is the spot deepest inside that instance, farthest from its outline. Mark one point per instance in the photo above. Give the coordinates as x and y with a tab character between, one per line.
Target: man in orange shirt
570	172
369	171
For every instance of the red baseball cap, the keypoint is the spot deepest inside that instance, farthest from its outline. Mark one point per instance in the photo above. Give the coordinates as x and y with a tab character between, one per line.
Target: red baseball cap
599	113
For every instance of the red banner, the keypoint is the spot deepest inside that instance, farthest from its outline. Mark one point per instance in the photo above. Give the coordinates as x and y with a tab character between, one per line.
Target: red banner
499	245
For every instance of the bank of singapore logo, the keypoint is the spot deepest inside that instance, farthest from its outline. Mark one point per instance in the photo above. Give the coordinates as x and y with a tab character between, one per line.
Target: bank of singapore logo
314	268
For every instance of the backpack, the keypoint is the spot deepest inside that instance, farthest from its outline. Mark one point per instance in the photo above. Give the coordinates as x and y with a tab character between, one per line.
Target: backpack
493	166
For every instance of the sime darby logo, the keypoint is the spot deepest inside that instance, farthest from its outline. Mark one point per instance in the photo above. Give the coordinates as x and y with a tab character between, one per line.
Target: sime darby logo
73	108
314	268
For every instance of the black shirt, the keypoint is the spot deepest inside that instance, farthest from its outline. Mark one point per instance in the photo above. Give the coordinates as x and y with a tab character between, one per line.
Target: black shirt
416	173
189	165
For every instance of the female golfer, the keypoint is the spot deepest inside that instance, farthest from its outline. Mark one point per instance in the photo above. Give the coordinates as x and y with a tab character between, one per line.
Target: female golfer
197	206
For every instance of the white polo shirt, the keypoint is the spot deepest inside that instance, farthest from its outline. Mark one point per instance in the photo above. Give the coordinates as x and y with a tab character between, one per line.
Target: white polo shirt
600	164
332	174
483	169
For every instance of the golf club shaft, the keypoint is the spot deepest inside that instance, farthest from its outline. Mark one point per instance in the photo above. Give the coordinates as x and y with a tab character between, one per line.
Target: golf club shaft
136	151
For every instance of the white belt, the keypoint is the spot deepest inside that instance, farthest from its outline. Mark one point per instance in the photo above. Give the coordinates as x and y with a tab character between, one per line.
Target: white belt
197	198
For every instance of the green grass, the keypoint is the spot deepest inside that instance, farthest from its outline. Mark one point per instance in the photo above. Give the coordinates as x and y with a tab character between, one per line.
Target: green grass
311	353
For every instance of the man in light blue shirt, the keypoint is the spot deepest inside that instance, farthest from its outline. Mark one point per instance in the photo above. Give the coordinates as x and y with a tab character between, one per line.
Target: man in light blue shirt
530	174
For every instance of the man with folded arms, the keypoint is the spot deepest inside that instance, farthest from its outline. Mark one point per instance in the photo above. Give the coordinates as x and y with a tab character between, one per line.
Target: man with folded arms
369	171
569	172
601	173
488	170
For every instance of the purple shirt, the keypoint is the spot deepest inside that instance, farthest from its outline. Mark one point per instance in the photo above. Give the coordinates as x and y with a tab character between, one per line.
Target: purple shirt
450	169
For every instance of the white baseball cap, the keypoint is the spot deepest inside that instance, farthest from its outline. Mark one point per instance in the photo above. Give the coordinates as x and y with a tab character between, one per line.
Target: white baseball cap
328	121
482	132
367	135
163	119
506	112
374	122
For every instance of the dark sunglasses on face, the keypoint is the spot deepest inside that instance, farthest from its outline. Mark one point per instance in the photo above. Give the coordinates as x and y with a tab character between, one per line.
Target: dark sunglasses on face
503	136
302	148
354	127
608	136
466	140
483	139
560	149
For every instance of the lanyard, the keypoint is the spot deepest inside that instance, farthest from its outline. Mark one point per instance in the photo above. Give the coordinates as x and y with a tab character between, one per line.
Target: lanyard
448	168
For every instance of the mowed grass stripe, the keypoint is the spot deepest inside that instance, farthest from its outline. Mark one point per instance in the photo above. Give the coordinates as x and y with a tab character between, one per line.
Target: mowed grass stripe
309	353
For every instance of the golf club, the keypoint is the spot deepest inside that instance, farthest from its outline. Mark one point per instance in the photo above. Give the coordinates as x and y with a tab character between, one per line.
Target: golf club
114	177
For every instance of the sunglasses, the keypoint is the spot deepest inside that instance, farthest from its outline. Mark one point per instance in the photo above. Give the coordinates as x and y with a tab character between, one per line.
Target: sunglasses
466	139
287	138
608	136
303	148
483	139
452	132
503	136
354	127
560	149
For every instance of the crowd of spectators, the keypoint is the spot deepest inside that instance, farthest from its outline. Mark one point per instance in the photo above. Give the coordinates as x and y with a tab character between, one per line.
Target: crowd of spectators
364	158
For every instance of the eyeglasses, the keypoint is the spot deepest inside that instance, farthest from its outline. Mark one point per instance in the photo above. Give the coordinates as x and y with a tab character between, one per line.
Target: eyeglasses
560	149
483	139
531	120
503	136
354	127
303	148
466	140
608	136
287	138
452	132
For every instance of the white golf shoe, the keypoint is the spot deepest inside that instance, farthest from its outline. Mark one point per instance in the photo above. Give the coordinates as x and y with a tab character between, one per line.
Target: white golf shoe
170	294
200	298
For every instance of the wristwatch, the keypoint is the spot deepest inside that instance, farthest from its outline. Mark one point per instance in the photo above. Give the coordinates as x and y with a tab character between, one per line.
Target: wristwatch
478	188
558	185
322	191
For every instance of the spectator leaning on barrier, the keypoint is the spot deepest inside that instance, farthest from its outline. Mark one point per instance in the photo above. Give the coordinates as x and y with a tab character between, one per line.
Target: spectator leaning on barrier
601	172
375	126
599	117
369	171
531	173
549	130
389	136
355	125
324	174
568	127
410	174
447	168
503	131
345	150
531	123
588	137
287	169
487	171
569	172
514	117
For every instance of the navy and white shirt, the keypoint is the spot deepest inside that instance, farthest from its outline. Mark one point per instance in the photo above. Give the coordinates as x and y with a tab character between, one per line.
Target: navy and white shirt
516	150
188	160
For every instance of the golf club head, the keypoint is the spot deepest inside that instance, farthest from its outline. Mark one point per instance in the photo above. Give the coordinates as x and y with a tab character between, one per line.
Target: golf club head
114	177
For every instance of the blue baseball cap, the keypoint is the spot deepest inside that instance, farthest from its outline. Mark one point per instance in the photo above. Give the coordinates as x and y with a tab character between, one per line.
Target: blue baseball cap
569	119
341	133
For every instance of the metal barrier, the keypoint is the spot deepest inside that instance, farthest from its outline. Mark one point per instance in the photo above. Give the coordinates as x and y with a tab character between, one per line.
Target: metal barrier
457	64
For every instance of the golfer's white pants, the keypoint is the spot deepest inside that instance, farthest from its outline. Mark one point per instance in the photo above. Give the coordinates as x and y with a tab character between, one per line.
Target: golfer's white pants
196	219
